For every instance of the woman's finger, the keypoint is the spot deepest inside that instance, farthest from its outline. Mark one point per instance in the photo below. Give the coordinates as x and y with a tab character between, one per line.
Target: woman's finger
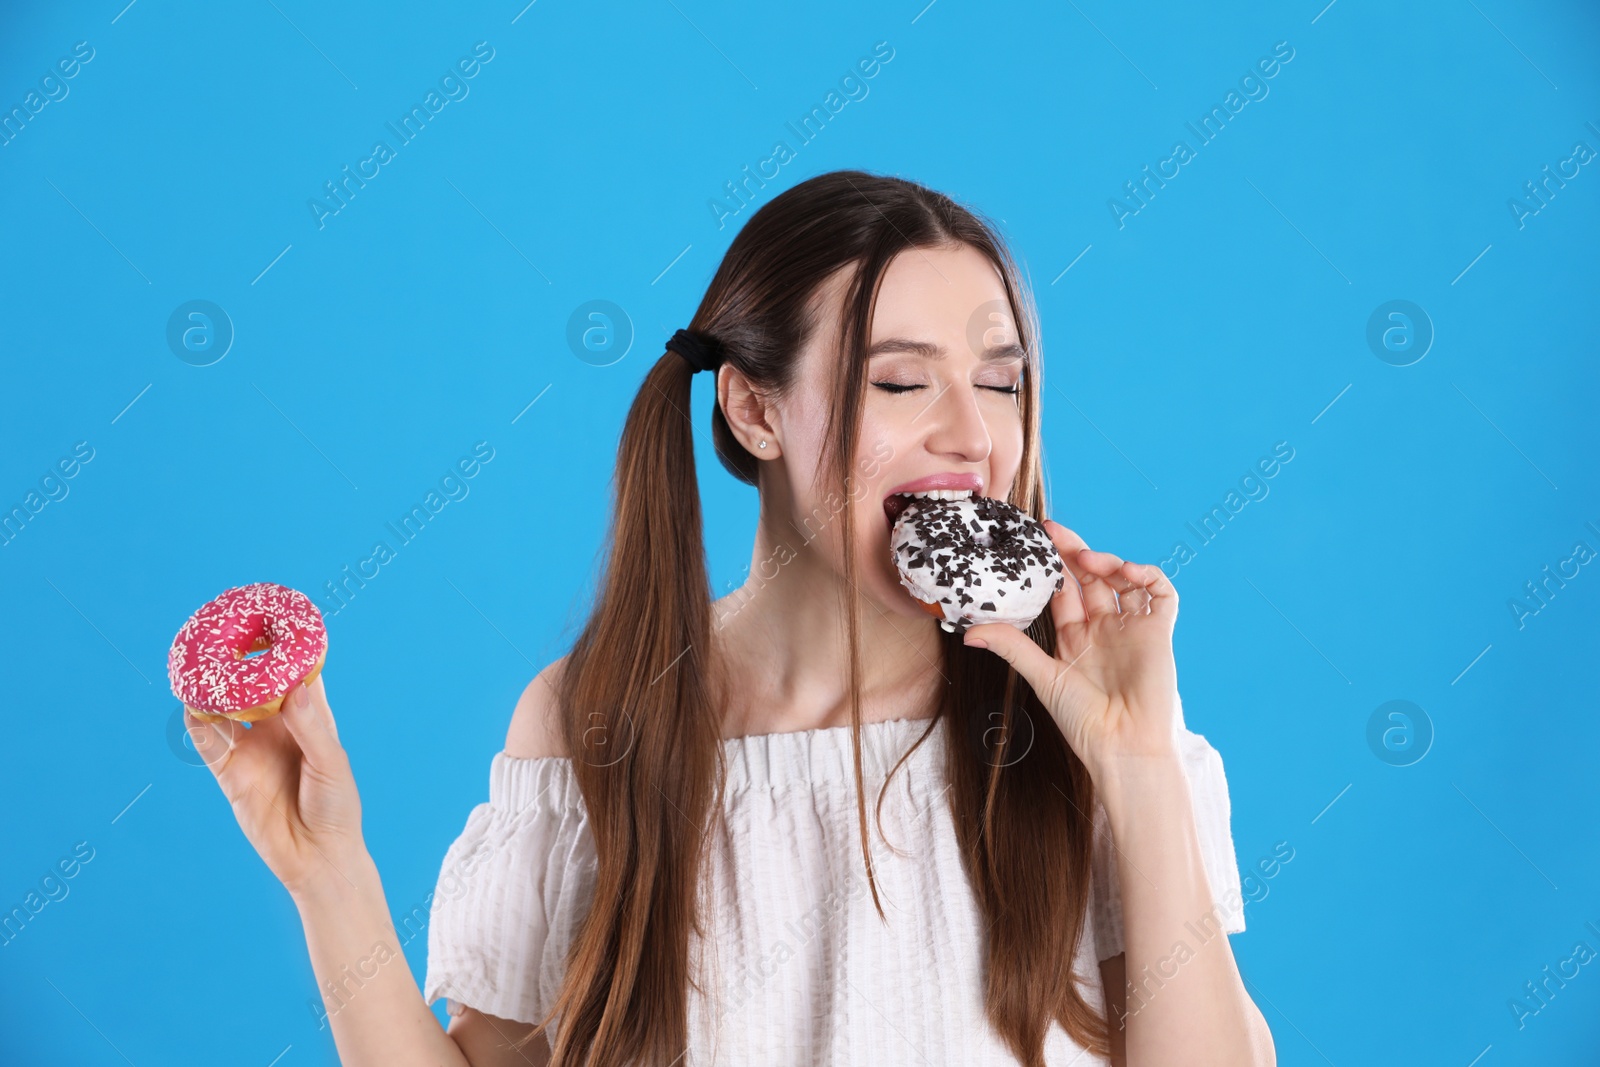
310	721
1092	569
214	741
1036	666
1163	595
1094	601
1150	589
1066	606
1129	580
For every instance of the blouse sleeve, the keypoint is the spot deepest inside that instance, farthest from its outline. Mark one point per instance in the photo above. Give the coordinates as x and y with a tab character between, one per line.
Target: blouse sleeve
1208	790
512	891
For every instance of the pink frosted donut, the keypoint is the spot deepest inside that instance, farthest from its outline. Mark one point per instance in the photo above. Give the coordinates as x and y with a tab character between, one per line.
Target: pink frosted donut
210	666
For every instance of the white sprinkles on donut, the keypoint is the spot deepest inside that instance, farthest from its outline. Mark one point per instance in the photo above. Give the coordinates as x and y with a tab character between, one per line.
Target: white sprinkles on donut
209	666
975	561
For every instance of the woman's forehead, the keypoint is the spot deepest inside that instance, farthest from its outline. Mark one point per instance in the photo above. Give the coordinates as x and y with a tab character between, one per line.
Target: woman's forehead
934	295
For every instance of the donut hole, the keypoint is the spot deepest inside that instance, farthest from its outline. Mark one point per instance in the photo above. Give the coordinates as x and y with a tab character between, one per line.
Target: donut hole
260	645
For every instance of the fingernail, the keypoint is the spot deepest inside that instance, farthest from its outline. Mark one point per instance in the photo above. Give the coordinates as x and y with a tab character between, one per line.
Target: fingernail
302	696
976	642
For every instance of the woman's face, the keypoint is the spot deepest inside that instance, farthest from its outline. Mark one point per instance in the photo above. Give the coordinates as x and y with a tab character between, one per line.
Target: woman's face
940	411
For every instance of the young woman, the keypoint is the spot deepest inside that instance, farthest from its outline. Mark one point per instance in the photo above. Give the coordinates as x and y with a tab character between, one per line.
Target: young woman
676	862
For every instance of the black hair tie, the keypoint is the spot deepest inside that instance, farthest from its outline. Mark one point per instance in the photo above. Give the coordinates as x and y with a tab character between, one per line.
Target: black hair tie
698	350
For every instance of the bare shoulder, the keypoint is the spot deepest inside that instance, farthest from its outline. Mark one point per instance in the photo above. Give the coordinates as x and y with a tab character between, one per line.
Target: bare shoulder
535	729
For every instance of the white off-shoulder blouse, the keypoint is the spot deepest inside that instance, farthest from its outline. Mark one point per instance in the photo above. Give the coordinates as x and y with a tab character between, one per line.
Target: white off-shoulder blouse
801	970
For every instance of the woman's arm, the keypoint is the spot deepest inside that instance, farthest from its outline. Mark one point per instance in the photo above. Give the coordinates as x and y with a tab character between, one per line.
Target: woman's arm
374	1007
289	783
1183	997
487	1040
1111	685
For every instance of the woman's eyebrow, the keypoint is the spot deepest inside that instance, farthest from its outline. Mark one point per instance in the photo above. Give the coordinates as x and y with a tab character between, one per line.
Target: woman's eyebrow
928	350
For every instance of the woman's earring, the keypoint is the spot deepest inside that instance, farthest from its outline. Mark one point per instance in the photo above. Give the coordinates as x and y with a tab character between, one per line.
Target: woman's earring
763	444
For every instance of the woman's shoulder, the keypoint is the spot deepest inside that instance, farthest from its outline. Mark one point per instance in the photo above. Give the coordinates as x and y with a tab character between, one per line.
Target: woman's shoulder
535	730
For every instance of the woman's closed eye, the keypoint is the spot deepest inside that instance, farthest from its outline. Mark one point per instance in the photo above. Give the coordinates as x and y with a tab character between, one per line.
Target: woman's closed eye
892	387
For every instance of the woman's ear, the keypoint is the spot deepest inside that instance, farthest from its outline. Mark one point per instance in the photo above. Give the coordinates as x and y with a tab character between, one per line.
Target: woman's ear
749	414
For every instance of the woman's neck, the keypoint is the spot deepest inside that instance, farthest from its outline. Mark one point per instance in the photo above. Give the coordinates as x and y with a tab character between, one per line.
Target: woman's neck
780	643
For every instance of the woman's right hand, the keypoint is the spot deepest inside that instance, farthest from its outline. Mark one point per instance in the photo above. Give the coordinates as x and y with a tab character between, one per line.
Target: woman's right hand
289	782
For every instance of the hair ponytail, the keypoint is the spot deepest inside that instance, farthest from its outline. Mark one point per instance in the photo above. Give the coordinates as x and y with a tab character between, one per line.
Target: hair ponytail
640	727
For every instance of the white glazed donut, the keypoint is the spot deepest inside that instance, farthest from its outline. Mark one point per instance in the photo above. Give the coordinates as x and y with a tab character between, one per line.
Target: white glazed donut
975	561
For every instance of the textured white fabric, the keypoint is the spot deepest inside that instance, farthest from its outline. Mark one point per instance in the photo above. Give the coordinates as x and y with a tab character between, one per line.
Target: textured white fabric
802	969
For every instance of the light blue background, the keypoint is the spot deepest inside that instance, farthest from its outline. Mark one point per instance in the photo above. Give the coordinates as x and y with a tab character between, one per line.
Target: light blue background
1226	316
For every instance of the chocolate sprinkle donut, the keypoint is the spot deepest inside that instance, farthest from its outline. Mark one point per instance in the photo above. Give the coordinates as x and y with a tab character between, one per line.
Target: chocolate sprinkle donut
977	561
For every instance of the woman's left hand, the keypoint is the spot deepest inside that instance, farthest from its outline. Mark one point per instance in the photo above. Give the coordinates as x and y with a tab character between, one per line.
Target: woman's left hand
1112	686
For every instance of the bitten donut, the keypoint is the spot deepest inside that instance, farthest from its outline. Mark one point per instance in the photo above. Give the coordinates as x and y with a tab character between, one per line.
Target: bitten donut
210	665
976	560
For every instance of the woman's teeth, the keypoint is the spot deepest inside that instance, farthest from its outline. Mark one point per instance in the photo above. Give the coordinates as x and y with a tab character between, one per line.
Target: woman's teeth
939	494
895	504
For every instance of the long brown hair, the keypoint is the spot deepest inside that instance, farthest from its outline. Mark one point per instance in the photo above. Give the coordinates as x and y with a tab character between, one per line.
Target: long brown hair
641	678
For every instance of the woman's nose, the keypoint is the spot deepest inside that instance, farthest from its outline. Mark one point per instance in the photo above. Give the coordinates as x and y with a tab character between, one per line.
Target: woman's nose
956	426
